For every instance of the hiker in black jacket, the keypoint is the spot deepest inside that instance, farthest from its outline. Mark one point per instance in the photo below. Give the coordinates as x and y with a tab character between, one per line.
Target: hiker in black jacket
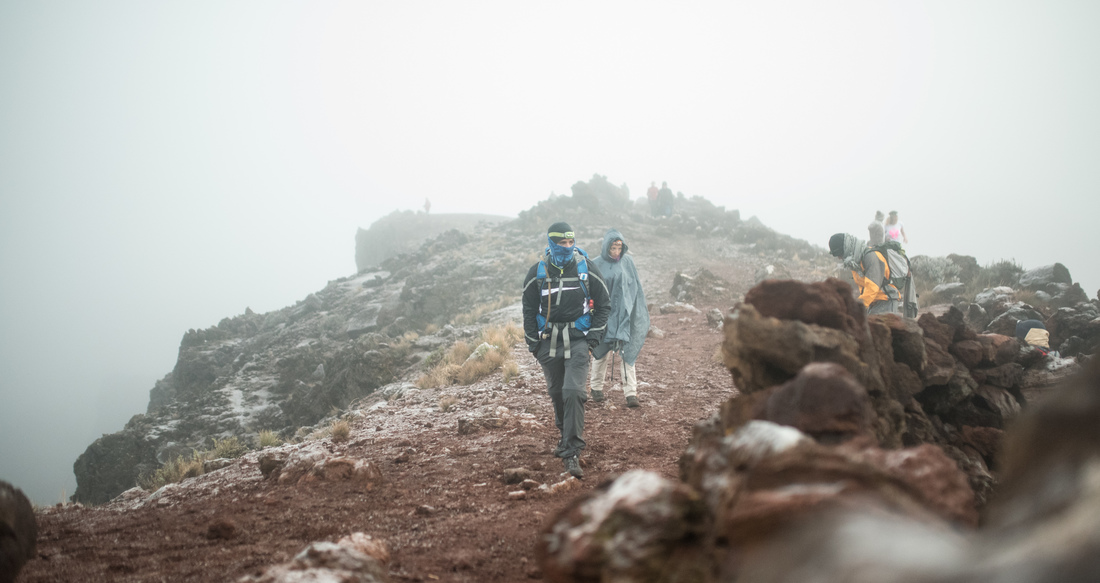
565	308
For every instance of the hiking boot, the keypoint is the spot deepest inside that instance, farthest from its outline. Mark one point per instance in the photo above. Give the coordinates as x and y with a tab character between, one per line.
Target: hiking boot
597	396
632	402
573	466
560	448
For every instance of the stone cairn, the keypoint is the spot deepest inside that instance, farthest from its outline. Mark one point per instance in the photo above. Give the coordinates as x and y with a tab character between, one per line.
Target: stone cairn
837	413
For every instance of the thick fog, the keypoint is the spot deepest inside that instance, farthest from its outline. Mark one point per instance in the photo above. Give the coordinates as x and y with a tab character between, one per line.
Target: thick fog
166	165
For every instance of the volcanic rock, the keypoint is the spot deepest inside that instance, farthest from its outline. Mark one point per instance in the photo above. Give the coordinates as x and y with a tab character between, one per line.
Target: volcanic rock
18	531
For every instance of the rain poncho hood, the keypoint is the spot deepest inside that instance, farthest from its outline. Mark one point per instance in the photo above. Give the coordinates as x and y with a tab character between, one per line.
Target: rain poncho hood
628	322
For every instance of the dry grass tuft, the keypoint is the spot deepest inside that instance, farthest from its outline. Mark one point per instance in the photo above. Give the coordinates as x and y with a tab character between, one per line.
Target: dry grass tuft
511	371
176	470
228	448
268	438
341	430
493	351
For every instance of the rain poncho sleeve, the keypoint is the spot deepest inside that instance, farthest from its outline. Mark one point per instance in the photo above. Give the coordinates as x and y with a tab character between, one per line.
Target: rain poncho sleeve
628	322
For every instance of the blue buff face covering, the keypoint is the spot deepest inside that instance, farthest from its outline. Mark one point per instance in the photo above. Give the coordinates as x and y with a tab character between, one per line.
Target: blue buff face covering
559	255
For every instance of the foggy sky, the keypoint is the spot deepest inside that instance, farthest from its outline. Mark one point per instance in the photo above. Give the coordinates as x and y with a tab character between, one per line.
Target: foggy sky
166	165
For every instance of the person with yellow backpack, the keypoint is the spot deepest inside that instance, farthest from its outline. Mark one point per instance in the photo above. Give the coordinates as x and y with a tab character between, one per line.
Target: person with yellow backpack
881	274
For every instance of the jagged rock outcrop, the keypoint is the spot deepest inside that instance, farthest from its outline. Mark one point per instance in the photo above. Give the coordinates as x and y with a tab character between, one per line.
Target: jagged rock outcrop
700	286
257	372
1042	526
18	531
287	369
1045	293
897	419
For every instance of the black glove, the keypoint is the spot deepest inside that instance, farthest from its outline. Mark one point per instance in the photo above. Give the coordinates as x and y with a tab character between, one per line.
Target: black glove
593	343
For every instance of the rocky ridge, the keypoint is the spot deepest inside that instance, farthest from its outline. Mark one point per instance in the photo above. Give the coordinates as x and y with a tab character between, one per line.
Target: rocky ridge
287	370
761	252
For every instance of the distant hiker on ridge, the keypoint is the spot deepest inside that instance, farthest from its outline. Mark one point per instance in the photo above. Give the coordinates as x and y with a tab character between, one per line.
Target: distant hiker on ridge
894	230
881	274
876	230
627	323
664	200
565	308
651	194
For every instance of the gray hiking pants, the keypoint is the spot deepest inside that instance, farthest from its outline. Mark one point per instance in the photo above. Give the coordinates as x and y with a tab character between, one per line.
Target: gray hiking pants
884	307
565	382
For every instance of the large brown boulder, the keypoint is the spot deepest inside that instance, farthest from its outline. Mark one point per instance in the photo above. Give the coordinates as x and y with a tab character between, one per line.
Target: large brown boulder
741	491
822	401
628	530
18	531
1043	525
828	303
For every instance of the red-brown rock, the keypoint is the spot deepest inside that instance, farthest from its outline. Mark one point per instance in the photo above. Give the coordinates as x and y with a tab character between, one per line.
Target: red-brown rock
828	303
824	401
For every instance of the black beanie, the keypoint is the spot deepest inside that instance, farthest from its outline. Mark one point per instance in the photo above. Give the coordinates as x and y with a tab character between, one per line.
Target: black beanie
836	245
560	230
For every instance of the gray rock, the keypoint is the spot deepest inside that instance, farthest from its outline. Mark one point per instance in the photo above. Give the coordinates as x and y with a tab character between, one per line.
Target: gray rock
949	289
1005	323
714	318
215	464
366	320
1047	274
679	308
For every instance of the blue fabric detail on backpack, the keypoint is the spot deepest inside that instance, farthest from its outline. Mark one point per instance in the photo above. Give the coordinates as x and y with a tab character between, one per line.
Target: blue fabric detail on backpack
584	322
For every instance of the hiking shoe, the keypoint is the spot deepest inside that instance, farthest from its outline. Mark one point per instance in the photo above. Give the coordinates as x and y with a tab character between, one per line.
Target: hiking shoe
632	402
597	396
573	466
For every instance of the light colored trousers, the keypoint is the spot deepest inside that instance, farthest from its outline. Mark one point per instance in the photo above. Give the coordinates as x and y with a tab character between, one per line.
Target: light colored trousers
628	374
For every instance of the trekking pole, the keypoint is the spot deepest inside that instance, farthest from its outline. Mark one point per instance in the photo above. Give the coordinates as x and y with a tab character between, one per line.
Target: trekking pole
612	369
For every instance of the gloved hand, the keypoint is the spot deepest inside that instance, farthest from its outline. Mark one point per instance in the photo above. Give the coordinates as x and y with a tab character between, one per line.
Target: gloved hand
593	343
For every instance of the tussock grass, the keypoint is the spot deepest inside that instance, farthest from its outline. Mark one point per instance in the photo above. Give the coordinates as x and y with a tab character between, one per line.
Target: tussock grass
176	470
228	448
511	371
340	430
268	438
1004	272
183	467
493	350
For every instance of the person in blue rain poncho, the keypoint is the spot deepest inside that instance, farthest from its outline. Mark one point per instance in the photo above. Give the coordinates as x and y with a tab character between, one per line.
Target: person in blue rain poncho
628	322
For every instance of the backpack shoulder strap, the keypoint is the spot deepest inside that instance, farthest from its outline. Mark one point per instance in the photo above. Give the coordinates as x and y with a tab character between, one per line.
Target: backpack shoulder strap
582	271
